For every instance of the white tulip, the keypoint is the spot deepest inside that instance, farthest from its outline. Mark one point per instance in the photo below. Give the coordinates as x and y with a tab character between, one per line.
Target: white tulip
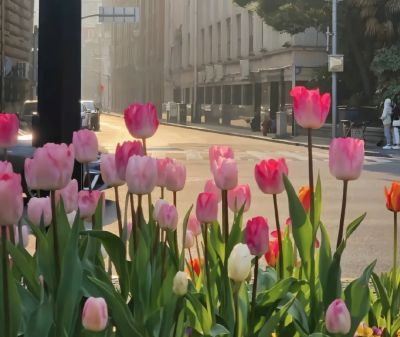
239	263
180	283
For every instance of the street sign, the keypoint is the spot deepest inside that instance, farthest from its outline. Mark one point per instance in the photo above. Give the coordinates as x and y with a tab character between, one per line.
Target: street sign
119	14
335	63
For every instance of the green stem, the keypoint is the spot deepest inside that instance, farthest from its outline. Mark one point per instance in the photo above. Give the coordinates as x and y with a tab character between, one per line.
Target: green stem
236	300
134	225
118	211
278	229
55	239
176	233
207	269
394	272
342	214
225	220
191	264
164	256
6	301
162	192
254	294
198	250
139	211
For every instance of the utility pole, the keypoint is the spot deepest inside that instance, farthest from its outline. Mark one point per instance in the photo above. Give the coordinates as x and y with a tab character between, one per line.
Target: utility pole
196	113
3	55
334	74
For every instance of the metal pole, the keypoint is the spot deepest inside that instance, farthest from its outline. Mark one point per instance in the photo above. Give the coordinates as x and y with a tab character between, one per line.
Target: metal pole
3	54
108	93
334	75
195	62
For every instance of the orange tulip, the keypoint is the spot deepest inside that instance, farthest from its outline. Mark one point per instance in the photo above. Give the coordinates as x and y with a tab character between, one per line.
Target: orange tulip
272	255
304	196
393	197
195	265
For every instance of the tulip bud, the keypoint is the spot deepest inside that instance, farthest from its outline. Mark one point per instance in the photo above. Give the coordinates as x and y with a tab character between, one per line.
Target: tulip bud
175	176
168	217
69	195
338	318
269	175
189	241
392	197
9	126
86	146
141	175
25	235
180	283
257	236
219	151
87	203
11	201
206	208
129	230
239	262
162	171
225	173
210	187
141	120
194	225
38	207
241	196
109	171
123	153
95	314
157	207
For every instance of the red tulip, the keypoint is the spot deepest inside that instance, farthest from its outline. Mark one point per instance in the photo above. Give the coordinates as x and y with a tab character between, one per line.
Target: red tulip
269	175
257	236
109	171
393	197
210	187
196	265
175	177
206	208
219	151
168	217
241	196
69	196
95	314
225	173
310	109
162	171
87	203
38	207
51	167
346	158
11	201
141	175
9	126
123	153
338	320
194	225
86	146
141	120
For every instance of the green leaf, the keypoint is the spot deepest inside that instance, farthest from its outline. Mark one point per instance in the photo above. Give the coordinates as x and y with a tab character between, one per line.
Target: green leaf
325	258
202	314
382	294
29	303
296	310
288	259
235	234
63	229
266	279
395	326
217	242
153	323
41	319
243	308
184	228
354	225
218	330
318	201
270	325
279	291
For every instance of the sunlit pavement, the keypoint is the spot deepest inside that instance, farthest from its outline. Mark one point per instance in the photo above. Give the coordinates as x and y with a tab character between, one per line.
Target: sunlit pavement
373	239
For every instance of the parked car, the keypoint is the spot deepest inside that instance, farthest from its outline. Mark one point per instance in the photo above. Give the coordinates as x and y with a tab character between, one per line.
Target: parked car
94	115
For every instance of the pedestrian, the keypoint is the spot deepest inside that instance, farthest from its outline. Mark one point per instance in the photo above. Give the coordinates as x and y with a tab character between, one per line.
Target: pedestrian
387	122
396	125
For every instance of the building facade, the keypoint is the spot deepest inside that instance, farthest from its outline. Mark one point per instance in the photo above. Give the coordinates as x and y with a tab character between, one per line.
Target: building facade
232	60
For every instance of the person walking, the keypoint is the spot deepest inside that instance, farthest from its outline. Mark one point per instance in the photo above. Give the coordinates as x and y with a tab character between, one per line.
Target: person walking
396	125
387	122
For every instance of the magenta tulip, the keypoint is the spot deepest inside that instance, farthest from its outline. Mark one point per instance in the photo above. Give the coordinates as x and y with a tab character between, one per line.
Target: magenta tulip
338	318
168	217
257	236
69	195
38	207
141	175
95	314
11	201
210	187
87	203
86	146
310	109
141	120
225	173
207	208
162	171
269	175
175	177
241	196
51	167
9	126
194	225
109	171
123	153
346	158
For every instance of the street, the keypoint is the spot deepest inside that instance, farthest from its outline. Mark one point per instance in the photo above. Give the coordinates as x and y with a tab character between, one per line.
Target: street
373	239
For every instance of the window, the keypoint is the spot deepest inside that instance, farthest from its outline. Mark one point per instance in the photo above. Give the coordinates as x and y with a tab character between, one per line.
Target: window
210	32
217	95
239	35
203	47
248	94
228	38
219	40
251	33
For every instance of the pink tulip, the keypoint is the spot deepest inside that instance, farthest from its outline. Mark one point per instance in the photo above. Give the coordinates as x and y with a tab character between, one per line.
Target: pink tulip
241	196
129	230
346	158
25	235
95	314
257	236
219	151
338	318
225	173
156	211
71	218
310	109
123	153
206	208
11	201
86	146
162	171
189	240
141	120
38	207
269	175
108	171
141	175
176	176
168	218
51	167
9	126
210	187
69	195
194	225
87	203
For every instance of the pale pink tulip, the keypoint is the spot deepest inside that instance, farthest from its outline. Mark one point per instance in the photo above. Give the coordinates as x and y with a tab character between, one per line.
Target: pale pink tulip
206	208
194	225
346	158
269	175
241	196
225	173
168	218
71	218
162	171
210	187
338	320
156	211
141	120
69	195
129	230
257	236
9	126
219	151
310	109
109	171
141	175
176	176
123	153
38	207
189	240
51	167
25	235
86	146
11	201
95	314
87	203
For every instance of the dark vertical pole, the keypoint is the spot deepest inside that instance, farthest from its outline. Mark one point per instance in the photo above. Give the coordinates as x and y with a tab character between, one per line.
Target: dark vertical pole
59	74
282	90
